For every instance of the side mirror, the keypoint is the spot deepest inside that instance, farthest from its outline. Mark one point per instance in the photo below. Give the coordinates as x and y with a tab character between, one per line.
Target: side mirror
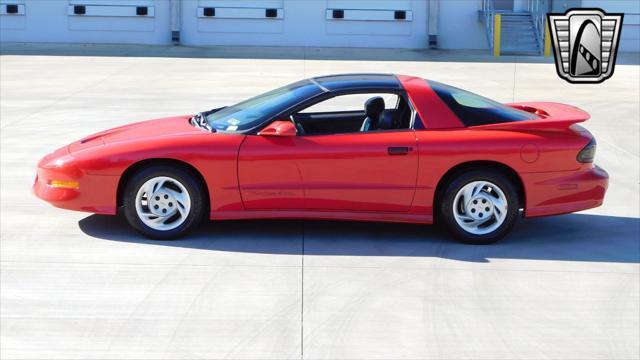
279	128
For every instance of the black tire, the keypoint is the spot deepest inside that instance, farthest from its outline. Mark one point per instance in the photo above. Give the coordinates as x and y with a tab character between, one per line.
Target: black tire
447	203
196	195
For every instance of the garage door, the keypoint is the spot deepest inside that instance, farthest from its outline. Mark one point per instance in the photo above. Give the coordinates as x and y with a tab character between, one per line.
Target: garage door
85	21
341	23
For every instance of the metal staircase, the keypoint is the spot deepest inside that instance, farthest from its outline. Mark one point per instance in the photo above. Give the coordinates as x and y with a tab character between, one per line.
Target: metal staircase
520	32
519	35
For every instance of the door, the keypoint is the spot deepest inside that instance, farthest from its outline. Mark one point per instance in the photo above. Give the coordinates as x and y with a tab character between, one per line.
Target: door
370	171
503	5
363	171
269	174
520	5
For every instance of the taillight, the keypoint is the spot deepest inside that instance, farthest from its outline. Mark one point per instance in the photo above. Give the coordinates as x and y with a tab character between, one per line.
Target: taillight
587	154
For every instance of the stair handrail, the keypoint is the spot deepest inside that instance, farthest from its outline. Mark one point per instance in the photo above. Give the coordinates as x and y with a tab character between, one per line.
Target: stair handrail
488	12
538	10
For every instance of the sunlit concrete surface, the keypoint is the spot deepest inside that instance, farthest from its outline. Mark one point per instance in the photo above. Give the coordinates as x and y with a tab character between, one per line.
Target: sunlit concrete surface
82	286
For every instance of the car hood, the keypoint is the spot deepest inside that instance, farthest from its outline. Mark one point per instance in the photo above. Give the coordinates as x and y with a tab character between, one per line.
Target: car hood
172	126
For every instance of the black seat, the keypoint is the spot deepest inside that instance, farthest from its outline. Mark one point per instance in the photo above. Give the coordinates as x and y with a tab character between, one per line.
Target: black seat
389	119
372	109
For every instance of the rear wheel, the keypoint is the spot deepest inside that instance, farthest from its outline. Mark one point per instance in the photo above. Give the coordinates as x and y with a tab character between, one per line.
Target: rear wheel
480	206
163	202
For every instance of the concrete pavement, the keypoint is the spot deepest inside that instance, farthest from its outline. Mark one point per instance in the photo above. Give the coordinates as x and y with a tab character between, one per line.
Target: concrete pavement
82	286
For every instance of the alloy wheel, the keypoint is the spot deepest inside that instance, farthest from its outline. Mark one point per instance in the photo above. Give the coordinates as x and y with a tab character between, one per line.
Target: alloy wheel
162	203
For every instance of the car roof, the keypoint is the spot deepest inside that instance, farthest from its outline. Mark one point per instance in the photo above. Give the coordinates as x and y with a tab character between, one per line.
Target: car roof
358	81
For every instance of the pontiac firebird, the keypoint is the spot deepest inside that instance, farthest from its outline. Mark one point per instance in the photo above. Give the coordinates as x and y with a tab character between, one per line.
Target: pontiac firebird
361	147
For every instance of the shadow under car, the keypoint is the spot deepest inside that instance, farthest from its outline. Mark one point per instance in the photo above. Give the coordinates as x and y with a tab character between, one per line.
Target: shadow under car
573	237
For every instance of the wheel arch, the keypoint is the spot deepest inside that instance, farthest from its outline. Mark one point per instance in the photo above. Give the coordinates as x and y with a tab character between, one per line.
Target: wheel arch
142	164
482	165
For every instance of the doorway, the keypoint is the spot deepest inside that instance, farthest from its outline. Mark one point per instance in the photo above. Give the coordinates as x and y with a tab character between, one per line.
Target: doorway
504	5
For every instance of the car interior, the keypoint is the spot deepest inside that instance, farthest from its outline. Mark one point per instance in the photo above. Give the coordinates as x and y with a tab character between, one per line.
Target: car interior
376	115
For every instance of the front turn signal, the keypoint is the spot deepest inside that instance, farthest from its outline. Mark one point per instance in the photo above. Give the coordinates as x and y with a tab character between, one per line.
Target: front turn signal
64	184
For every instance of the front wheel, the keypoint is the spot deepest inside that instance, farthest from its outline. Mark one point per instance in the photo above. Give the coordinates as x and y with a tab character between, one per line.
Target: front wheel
163	202
480	207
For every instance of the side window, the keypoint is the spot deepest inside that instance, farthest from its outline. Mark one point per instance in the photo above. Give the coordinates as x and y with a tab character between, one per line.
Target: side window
350	102
350	113
474	109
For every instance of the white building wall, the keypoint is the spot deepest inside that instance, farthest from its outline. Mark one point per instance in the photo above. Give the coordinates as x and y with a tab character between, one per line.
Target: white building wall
460	27
630	35
366	23
105	21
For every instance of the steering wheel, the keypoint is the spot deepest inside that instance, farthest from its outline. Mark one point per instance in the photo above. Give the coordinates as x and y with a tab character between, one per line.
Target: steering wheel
298	126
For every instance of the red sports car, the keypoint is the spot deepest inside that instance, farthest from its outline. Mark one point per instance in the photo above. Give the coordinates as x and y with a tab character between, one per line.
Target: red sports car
371	147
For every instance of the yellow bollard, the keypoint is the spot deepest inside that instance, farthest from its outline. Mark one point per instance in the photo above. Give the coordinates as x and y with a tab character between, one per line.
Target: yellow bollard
496	34
547	39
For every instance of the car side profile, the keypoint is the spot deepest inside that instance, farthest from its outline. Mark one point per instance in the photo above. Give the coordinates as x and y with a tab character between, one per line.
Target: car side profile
363	147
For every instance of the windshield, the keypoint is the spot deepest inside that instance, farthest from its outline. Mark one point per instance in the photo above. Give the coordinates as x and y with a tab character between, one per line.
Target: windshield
474	109
250	113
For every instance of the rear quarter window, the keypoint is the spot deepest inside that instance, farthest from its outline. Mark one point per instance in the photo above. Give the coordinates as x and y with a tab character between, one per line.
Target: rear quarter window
474	109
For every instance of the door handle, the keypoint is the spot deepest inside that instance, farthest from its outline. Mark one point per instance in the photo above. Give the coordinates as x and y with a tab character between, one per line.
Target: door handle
398	150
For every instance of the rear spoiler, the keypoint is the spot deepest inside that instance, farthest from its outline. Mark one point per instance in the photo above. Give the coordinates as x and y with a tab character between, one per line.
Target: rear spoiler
551	116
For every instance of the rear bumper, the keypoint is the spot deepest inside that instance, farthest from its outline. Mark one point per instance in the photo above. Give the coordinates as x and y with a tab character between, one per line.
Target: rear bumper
564	192
95	193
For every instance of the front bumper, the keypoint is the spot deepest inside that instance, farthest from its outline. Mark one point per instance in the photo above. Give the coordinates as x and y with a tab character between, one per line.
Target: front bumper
95	193
555	193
